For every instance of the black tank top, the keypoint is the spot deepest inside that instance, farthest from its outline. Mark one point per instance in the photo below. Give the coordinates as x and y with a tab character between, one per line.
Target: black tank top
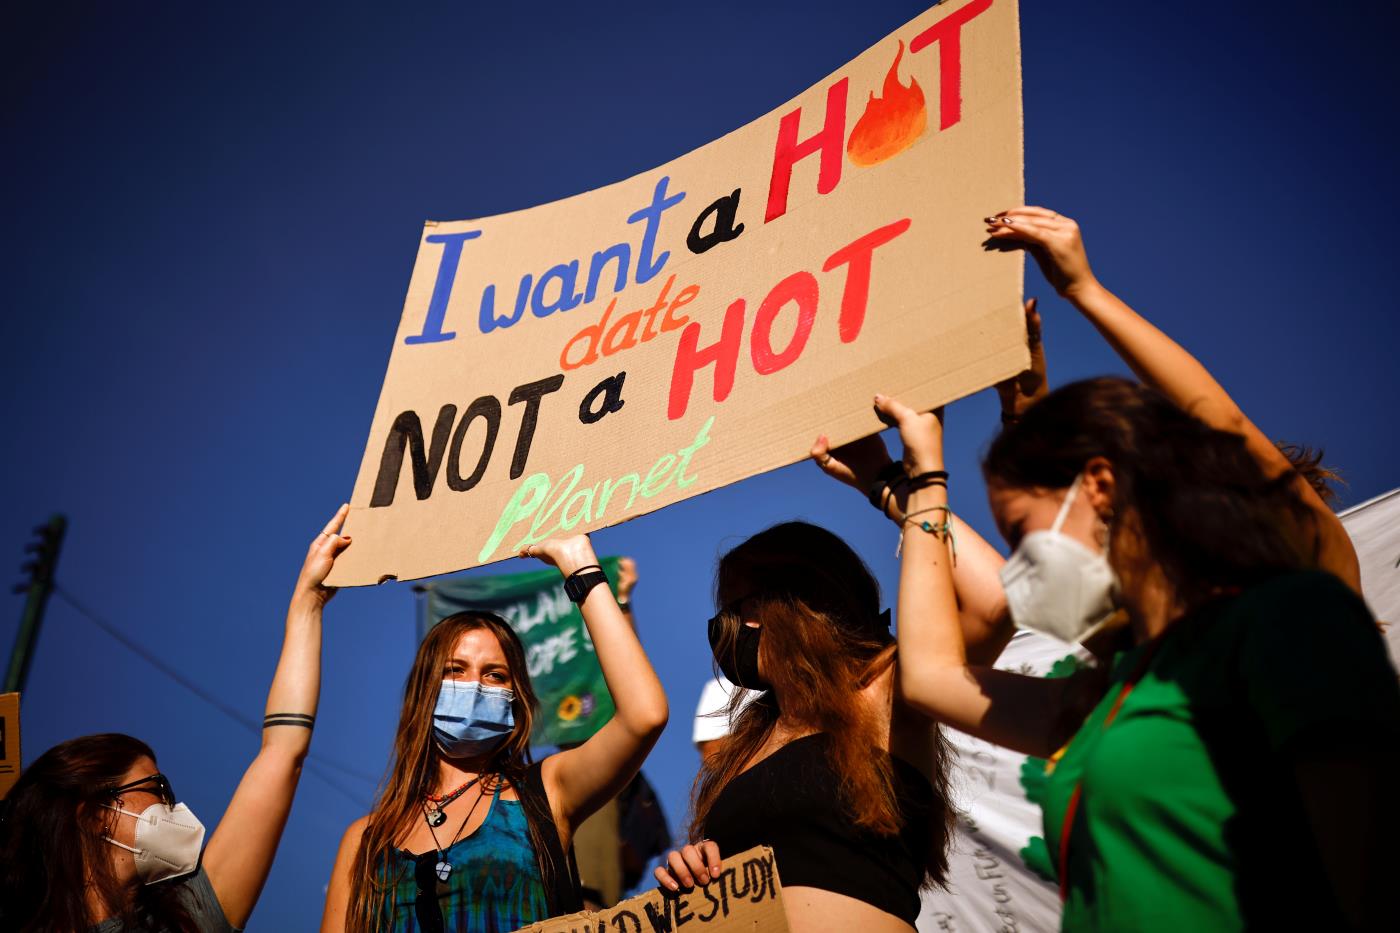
788	801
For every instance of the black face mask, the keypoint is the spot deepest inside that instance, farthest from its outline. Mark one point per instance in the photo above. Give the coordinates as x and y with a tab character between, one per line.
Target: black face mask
740	664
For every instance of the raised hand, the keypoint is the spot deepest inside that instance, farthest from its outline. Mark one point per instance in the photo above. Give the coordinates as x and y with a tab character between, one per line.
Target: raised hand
1053	240
626	577
856	464
1023	390
921	432
568	554
320	557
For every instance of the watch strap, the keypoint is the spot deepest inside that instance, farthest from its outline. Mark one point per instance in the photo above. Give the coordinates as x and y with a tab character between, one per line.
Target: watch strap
580	583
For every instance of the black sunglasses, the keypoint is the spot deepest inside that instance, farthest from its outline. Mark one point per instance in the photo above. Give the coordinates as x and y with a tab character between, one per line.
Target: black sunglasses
734	607
427	909
161	789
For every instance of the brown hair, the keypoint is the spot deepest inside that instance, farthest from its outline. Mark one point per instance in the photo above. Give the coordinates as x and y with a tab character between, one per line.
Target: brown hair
1307	463
51	845
413	769
1204	510
817	604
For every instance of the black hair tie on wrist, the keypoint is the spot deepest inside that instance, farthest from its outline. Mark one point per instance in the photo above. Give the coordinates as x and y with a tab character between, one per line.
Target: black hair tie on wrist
891	474
931	478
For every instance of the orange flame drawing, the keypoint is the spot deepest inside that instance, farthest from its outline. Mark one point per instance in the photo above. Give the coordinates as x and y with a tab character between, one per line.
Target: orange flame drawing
890	123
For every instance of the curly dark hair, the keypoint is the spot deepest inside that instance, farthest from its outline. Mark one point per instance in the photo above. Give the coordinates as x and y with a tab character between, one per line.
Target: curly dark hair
1208	515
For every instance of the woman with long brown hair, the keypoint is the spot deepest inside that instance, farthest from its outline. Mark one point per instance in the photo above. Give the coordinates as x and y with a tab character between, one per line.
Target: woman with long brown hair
92	838
827	765
467	833
1246	737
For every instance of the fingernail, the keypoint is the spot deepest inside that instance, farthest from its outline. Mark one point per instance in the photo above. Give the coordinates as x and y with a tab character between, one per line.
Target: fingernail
878	397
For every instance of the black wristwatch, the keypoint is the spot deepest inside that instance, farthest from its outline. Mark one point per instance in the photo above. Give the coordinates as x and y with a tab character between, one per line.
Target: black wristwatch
580	583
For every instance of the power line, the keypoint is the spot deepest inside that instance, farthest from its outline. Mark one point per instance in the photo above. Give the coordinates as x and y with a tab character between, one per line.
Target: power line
315	763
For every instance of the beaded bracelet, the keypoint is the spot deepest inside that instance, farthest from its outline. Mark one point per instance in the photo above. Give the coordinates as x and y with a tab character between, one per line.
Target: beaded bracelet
944	528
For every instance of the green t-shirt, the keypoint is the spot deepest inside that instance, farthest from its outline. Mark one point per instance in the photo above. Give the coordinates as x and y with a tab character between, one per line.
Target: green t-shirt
1190	816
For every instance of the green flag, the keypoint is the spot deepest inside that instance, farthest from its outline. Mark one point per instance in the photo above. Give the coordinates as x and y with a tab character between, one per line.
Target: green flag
574	700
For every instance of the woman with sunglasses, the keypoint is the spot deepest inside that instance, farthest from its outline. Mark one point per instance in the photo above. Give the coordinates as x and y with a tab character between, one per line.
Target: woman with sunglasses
93	837
827	765
467	834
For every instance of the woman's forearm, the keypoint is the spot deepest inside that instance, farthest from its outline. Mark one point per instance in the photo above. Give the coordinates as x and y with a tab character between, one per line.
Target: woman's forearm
1166	366
296	685
1160	362
638	698
932	652
985	622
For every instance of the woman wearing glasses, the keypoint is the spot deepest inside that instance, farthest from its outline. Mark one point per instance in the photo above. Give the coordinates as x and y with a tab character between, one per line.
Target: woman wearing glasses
94	839
467	833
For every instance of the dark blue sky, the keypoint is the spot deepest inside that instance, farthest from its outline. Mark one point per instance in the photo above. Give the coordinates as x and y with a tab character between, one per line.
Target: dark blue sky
211	215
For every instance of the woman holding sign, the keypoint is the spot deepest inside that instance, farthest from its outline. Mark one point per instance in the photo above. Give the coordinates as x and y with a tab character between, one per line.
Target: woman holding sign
93	838
1248	733
468	834
1056	244
827	765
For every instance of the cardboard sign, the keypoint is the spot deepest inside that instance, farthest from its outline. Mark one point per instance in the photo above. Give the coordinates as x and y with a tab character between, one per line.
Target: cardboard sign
746	896
574	698
9	742
567	367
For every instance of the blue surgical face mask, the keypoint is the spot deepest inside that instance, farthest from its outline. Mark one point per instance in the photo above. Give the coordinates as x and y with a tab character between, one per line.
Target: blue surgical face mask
471	719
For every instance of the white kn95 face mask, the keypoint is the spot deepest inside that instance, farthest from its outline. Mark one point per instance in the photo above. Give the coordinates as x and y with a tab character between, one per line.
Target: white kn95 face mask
1055	585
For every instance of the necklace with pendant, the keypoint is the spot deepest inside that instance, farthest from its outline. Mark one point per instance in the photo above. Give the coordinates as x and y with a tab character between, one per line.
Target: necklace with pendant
443	868
435	805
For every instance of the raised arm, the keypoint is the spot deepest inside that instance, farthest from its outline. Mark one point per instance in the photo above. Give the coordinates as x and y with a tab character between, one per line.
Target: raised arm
1029	714
1161	363
240	852
580	780
981	603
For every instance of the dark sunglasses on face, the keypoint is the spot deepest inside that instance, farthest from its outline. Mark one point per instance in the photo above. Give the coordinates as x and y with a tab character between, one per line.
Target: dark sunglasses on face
156	784
733	608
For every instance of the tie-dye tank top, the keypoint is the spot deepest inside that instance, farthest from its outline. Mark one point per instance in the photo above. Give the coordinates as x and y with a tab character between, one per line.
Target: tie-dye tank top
494	886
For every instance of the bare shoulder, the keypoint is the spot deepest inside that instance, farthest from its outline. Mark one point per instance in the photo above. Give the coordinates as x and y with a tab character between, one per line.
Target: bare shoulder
354	832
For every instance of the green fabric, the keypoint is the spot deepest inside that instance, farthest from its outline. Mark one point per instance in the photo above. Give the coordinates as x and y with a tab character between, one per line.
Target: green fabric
1036	854
1190	816
574	700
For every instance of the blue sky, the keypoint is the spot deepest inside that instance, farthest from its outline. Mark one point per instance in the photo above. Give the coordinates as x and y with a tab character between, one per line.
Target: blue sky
212	212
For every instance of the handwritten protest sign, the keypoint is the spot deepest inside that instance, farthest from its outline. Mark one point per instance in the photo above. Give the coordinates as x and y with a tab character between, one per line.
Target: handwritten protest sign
570	366
574	699
746	896
9	742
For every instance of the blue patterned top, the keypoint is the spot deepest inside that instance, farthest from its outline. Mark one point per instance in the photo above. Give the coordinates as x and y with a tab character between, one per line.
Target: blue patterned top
494	885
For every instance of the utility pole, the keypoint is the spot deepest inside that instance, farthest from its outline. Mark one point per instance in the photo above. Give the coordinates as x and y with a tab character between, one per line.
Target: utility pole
40	568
